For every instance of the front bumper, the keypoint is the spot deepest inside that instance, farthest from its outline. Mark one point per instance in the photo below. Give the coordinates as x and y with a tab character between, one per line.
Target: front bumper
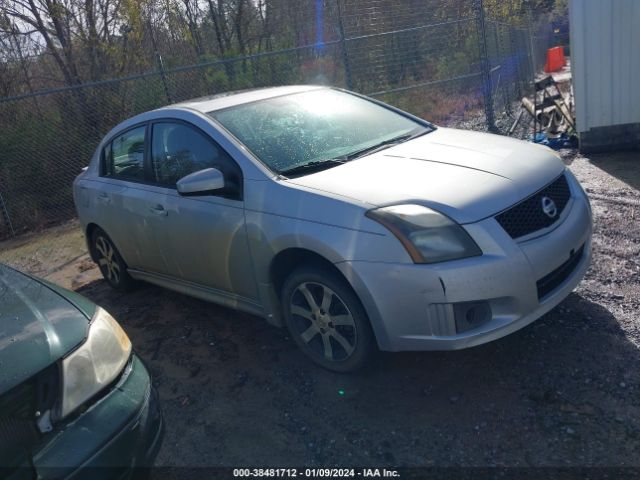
411	307
115	437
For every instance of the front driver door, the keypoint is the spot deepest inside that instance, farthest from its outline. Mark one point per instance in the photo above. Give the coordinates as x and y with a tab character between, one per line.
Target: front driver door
202	238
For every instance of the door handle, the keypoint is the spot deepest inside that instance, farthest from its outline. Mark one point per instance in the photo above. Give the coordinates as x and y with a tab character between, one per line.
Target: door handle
158	210
104	198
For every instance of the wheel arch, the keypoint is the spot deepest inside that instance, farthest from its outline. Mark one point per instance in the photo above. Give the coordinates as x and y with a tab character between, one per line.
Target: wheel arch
89	230
290	260
287	260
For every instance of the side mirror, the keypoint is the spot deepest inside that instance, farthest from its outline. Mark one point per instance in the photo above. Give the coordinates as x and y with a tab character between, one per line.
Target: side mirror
201	182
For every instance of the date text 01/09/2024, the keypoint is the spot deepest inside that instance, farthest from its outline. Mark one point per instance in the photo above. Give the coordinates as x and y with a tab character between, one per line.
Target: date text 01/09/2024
315	472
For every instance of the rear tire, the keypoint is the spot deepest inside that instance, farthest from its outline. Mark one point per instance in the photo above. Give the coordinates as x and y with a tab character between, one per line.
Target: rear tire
327	320
110	262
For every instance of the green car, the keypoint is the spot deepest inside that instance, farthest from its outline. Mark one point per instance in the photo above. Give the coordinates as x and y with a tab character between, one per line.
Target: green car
74	398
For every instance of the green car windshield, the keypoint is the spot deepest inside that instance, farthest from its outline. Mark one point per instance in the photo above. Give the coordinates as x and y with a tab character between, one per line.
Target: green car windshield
316	126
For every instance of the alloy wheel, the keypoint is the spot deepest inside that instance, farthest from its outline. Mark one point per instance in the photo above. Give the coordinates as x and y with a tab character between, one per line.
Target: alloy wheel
323	321
107	260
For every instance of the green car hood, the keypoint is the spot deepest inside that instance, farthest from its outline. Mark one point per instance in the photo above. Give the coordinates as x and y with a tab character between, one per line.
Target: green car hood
39	324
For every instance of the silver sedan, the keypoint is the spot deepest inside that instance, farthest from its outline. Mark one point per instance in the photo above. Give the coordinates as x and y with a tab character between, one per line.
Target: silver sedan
356	225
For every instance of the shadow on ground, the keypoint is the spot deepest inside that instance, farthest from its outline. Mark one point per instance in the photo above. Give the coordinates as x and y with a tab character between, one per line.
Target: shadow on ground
236	392
625	166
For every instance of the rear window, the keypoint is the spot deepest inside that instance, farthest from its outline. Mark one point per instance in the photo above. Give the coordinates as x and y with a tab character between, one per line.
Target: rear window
124	155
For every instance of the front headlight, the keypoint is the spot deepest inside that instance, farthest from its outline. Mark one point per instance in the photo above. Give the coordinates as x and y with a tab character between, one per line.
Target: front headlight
428	236
96	363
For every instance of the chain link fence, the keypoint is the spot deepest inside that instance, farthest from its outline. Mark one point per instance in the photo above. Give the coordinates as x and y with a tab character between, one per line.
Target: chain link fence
465	68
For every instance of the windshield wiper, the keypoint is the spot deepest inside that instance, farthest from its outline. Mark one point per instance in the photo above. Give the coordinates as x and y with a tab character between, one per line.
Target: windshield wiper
383	144
316	165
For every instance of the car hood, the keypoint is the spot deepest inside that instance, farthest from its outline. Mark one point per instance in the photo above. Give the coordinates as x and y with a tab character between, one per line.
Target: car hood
465	175
37	327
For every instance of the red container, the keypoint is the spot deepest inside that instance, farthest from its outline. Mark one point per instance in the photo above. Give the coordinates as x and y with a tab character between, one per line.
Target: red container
555	59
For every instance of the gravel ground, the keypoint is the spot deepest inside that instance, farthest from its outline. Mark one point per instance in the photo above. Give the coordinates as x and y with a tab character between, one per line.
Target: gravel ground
561	392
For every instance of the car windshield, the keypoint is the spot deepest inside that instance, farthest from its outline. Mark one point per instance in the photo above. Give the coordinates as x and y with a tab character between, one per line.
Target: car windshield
315	127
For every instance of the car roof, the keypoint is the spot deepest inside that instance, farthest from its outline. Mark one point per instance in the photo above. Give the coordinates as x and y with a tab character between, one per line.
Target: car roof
231	99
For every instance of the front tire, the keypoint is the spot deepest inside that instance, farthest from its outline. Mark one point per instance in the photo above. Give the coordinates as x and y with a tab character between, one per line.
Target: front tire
327	320
110	262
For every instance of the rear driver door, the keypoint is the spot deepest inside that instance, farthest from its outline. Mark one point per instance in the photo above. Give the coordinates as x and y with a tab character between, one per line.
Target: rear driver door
119	197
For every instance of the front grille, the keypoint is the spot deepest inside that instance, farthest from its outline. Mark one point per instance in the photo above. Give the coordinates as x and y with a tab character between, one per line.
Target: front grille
551	281
18	430
528	216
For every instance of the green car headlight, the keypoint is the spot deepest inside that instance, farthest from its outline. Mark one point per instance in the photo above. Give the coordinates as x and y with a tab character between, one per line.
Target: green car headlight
96	363
427	235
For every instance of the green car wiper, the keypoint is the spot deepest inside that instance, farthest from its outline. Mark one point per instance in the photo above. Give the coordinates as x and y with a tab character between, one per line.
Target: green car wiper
315	165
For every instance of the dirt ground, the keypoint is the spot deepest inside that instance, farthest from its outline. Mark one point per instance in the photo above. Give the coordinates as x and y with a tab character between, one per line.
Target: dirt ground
562	392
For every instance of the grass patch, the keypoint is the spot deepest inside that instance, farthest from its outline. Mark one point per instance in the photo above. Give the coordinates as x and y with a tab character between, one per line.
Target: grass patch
44	252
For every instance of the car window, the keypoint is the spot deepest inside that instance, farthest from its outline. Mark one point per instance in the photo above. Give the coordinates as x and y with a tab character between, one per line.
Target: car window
178	150
124	156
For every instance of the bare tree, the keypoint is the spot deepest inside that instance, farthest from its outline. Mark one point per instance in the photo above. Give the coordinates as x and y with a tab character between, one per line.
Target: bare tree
84	37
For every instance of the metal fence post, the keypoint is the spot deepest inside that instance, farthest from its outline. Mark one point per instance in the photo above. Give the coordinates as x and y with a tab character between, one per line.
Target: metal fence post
6	215
345	53
163	77
532	50
487	90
